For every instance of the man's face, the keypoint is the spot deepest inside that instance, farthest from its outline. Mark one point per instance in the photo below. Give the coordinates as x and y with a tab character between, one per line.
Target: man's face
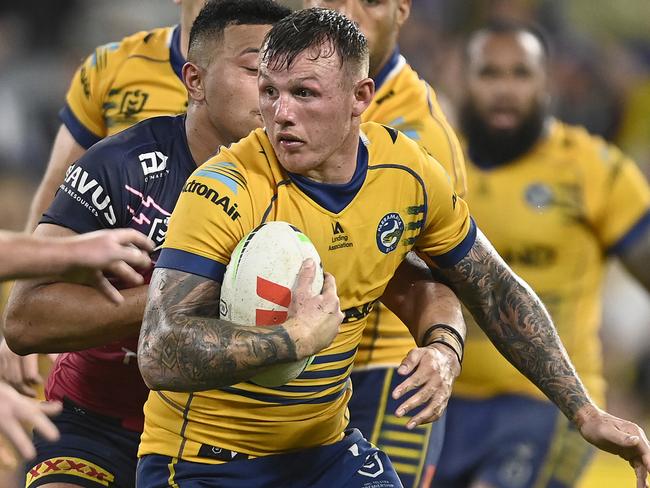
379	20
230	81
307	109
506	79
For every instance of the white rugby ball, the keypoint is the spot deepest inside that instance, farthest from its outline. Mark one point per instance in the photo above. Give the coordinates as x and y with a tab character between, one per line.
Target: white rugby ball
258	283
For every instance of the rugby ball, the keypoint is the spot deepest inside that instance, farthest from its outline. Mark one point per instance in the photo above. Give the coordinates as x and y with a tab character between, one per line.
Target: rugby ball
257	286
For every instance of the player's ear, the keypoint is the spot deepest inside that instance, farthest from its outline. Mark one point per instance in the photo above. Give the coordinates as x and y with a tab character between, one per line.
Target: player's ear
193	80
364	91
403	11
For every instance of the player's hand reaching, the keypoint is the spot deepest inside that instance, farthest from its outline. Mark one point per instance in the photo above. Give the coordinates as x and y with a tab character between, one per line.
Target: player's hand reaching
107	252
313	320
21	372
618	436
433	370
18	416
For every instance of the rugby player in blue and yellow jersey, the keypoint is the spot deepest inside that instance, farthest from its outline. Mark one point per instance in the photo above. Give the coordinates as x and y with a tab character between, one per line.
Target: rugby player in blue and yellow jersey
405	102
131	179
556	202
316	166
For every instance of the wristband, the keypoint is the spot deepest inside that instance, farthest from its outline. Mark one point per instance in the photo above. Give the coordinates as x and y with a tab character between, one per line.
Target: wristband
447	335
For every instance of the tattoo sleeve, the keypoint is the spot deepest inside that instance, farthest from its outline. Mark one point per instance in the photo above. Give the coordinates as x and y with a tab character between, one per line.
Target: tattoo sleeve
185	347
516	322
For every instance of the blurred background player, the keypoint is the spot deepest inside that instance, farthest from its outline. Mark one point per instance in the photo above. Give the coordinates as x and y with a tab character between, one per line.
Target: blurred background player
120	84
556	202
406	102
135	177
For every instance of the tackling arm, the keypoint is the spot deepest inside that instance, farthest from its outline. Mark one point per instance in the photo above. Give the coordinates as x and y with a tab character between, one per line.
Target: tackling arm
49	315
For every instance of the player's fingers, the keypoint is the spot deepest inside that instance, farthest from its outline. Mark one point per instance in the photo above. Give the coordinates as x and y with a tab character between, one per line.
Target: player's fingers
31	375
16	435
424	395
329	285
42	424
430	413
410	362
51	408
126	274
131	236
108	290
8	460
305	278
641	474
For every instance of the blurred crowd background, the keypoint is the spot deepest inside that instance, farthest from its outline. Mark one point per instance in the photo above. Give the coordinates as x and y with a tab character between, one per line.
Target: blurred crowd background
601	80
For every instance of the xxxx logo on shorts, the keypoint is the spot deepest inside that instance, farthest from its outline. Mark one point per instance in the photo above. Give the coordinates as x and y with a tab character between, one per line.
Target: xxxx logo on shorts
69	466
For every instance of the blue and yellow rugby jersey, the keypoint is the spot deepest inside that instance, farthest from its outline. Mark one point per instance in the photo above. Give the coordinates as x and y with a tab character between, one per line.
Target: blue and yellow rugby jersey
554	214
397	199
125	82
406	102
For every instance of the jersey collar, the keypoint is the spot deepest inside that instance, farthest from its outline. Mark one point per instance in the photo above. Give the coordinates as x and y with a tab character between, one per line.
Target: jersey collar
176	58
386	71
335	197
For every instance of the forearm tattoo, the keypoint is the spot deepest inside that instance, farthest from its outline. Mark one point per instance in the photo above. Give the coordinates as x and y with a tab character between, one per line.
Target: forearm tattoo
516	322
185	347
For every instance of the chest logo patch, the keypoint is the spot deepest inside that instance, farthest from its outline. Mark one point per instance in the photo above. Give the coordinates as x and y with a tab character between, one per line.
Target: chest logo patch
389	232
539	195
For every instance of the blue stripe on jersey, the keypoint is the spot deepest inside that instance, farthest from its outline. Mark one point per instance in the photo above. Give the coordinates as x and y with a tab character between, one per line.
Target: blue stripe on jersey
278	400
335	197
332	358
385	71
326	373
191	263
176	58
631	236
310	388
84	136
450	258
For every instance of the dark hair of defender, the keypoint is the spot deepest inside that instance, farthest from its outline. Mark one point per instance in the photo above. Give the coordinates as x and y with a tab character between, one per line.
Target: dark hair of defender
328	31
216	15
512	27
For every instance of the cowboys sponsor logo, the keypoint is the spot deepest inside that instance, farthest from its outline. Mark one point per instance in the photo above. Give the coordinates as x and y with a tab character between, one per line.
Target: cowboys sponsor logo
80	186
153	162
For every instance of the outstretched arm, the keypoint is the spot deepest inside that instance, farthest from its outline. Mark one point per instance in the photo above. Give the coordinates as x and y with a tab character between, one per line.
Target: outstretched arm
516	322
184	346
70	311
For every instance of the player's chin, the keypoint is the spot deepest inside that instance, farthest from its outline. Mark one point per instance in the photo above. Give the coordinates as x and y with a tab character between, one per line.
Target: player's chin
295	161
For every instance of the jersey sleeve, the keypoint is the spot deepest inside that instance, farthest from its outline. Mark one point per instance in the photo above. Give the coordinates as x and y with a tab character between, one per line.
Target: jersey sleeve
624	211
91	196
212	215
83	112
449	231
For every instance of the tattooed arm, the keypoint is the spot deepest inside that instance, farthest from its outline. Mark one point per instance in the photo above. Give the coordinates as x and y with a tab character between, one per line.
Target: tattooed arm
185	347
516	322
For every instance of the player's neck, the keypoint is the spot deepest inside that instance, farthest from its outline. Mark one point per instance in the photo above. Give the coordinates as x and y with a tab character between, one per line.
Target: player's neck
339	168
202	138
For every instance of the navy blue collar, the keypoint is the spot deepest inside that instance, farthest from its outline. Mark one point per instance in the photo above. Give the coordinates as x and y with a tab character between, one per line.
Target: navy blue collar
335	197
386	69
176	58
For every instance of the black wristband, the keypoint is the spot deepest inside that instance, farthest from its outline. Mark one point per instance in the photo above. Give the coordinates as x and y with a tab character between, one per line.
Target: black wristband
446	327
